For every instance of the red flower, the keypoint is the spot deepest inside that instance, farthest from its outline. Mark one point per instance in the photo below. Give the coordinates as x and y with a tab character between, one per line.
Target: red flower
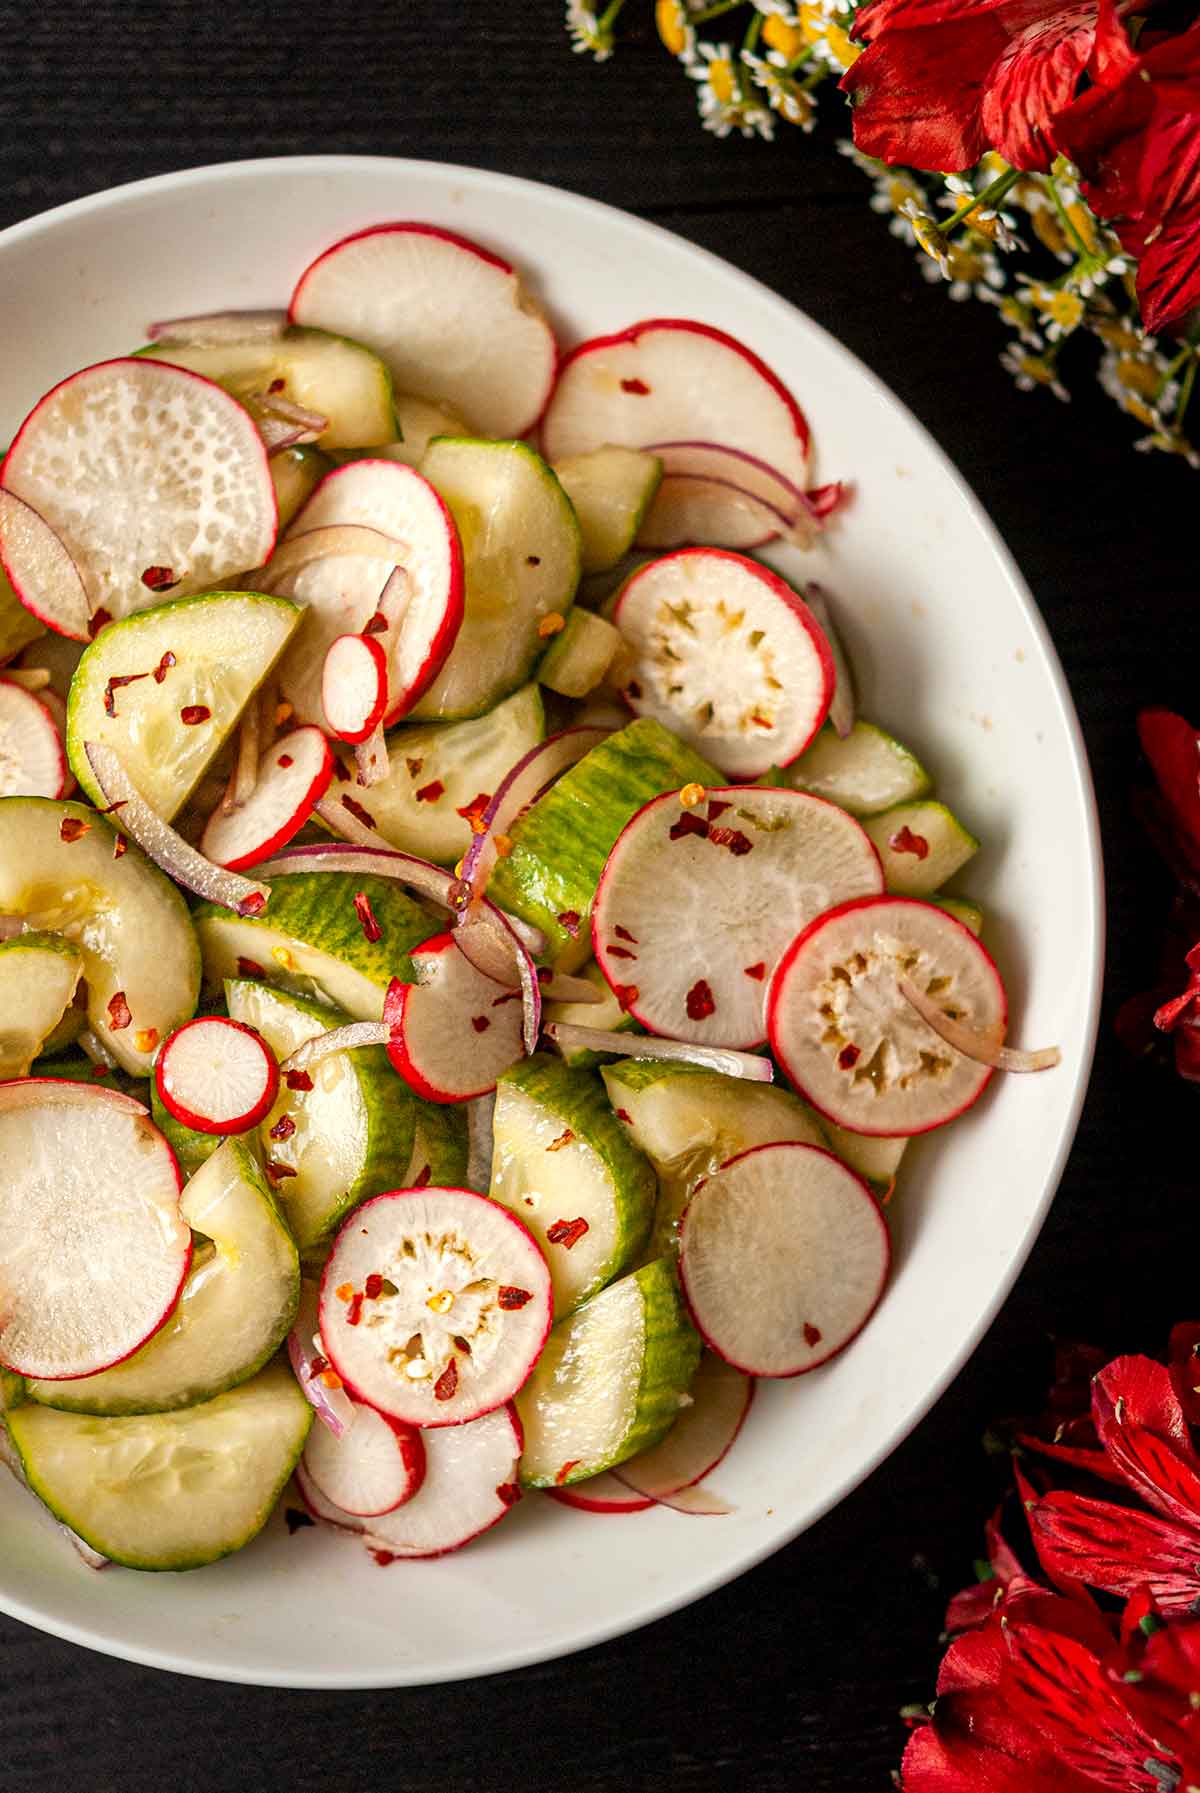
941	81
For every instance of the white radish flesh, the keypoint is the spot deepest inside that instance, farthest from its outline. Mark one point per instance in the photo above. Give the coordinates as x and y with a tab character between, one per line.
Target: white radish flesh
32	760
354	687
42	570
454	1030
372	1469
292	776
217	1075
700	1438
784	1253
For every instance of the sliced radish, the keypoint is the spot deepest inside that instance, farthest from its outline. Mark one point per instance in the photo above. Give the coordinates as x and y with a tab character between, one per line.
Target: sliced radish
602	1493
675	380
690	509
711	1058
734	466
293	775
783	1255
435	1305
216	1075
697	905
699	1440
851	1041
455	1030
32	760
50	585
843	706
93	1248
354	686
170	487
726	655
470	1484
451	320
343	588
320	1385
372	1469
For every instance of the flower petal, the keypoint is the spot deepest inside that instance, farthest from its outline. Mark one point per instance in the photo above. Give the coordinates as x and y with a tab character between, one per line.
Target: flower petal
1059	1690
916	94
952	1762
1138	1391
1033	81
1157	1471
1094	1462
1117	1549
1184	1368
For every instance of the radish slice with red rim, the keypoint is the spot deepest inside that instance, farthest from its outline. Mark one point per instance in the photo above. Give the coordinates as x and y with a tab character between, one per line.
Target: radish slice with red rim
435	1305
292	777
684	1052
747	868
783	1256
976	1046
32	761
216	1075
320	1385
454	1031
93	1246
693	508
726	655
370	1470
354	686
699	1440
601	1493
843	706
850	1041
42	570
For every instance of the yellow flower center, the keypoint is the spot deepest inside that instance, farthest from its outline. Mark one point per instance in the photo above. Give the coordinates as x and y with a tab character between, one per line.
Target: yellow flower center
720	79
1138	376
844	52
789	40
671	20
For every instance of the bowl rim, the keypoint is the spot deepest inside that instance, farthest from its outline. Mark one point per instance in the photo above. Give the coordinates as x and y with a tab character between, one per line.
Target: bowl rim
1092	924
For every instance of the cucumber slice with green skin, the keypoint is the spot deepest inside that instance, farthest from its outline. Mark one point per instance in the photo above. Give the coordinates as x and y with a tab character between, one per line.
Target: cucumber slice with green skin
564	1165
876	1160
438	770
82	1070
866	772
311	939
606	1015
297	472
345	382
169	716
611	490
38	975
440	1152
59	873
962	909
191	1147
920	846
336	1134
559	847
688	1122
12	1390
611	1380
520	543
418	421
580	655
233	1313
71	1024
168	1490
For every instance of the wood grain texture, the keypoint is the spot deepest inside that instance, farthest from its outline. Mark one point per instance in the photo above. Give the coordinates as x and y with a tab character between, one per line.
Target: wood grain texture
792	1677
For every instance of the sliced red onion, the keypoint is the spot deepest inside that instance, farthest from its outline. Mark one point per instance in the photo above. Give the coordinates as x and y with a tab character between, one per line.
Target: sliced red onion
340	1039
714	460
982	1048
297	551
799	527
825	500
245	770
558	987
532	775
625	1045
332	1406
91	1557
356	833
214	327
684	1500
281	424
169	850
480	1113
844	708
278	435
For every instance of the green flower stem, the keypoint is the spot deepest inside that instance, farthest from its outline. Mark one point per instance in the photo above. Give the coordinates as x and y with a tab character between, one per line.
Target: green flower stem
715	11
991	196
1185	396
610	15
1064	217
753	32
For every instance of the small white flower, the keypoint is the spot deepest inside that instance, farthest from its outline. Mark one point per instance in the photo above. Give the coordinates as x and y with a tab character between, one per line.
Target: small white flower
738	112
783	95
779	9
587	35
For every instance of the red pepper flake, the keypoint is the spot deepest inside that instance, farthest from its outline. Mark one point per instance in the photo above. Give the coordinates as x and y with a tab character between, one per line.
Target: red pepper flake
480	1023
421	1180
507	1493
757	972
278	385
569	922
511	1298
429	793
344	1290
533	560
564	1139
284	761
250	968
191	714
98	620
100	1071
623	1114
360	814
284	1127
164	666
762	722
634	689
120	847
905	841
447	1383
688	824
278	1173
117	683
733	838
567	1232
118	1012
564	1472
299	1080
509	996
110	809
366	915
626	995
414	767
812	1334
624	934
296	1520
73	828
373	1287
254	904
848	1057
354	1311
160	578
639	388
717	807
700	1001
472	812
384	1557
620	952
375	625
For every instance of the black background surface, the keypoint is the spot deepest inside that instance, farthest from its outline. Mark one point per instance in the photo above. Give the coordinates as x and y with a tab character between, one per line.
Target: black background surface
792	1677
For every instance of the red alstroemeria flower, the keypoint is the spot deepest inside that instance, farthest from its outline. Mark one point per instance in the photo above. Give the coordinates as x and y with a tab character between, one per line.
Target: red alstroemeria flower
941	81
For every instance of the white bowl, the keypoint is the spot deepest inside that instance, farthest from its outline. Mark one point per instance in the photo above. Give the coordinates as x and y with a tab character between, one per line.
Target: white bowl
950	652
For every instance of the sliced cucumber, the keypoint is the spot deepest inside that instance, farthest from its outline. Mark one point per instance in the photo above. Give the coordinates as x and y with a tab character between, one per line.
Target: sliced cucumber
921	845
71	1024
611	1380
18	626
165	688
234	1311
38	975
864	772
580	655
190	1147
964	910
689	1122
310	939
348	1136
561	843
297	472
564	1164
330	374
611	490
168	1490
520	543
875	1159
12	1390
440	1149
607	1015
438	769
59	874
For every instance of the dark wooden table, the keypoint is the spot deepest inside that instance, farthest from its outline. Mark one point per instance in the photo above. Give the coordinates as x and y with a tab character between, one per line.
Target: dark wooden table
792	1677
